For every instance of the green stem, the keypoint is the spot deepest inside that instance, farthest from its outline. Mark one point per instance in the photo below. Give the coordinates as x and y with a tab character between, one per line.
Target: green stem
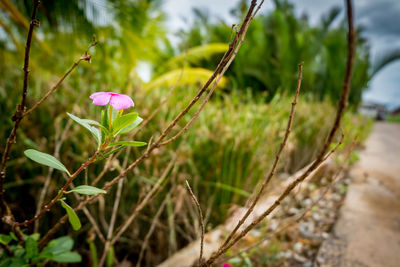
110	111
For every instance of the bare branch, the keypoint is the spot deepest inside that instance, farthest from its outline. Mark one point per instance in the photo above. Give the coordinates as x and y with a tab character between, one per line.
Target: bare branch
196	202
275	164
144	202
17	117
297	218
50	204
85	56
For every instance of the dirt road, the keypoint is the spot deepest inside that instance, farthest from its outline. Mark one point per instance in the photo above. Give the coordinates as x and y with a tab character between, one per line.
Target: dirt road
368	230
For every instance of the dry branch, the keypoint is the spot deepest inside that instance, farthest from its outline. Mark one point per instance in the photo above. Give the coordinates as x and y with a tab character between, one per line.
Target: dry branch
275	164
196	202
6	213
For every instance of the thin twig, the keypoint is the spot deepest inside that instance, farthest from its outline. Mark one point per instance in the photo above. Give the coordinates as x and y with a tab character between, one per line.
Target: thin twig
321	156
17	117
164	101
297	218
144	202
150	232
85	56
196	202
275	164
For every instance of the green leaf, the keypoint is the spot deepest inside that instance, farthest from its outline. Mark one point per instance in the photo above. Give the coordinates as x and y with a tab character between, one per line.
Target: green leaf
13	236
223	186
132	126
72	217
93	252
88	190
18	263
95	123
59	245
18	250
192	76
128	143
5	239
35	236
95	132
45	159
110	257
123	121
31	247
67	257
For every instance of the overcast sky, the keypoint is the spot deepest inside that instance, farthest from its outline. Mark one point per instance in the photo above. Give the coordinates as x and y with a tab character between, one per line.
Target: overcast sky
380	18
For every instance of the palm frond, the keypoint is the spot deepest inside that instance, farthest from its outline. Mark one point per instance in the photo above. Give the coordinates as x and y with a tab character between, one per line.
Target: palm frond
383	60
195	54
191	76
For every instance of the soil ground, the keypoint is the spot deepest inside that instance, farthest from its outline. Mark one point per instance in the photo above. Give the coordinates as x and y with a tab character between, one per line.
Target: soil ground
367	232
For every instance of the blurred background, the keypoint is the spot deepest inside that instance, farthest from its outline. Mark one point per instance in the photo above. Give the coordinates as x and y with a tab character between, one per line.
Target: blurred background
143	47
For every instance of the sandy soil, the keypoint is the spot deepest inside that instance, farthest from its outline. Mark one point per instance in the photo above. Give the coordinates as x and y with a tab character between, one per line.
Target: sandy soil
368	230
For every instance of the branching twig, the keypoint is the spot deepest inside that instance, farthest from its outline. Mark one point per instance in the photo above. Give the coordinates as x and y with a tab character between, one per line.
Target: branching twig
297	218
164	101
17	117
85	56
50	204
321	156
144	202
275	164
200	219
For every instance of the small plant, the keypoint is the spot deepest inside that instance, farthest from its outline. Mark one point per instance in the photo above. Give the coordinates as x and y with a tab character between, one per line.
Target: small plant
58	250
113	124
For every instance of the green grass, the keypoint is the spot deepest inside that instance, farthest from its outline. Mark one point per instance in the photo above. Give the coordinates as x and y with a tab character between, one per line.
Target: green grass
393	118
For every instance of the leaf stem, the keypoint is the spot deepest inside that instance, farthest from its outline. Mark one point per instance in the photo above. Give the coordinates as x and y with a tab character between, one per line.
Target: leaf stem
110	111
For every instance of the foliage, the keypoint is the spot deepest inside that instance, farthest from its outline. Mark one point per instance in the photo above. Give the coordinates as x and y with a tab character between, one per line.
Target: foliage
58	250
277	42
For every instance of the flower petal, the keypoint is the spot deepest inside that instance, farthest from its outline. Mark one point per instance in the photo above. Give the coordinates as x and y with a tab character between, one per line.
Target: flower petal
92	96
121	101
101	98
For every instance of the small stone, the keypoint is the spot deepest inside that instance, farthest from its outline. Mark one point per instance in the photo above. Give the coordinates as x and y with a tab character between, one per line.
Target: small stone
298	247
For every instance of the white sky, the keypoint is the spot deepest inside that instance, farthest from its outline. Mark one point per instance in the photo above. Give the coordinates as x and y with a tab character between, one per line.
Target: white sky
381	19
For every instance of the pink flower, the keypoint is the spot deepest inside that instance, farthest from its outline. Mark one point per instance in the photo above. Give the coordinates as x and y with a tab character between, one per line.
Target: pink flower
118	101
226	265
